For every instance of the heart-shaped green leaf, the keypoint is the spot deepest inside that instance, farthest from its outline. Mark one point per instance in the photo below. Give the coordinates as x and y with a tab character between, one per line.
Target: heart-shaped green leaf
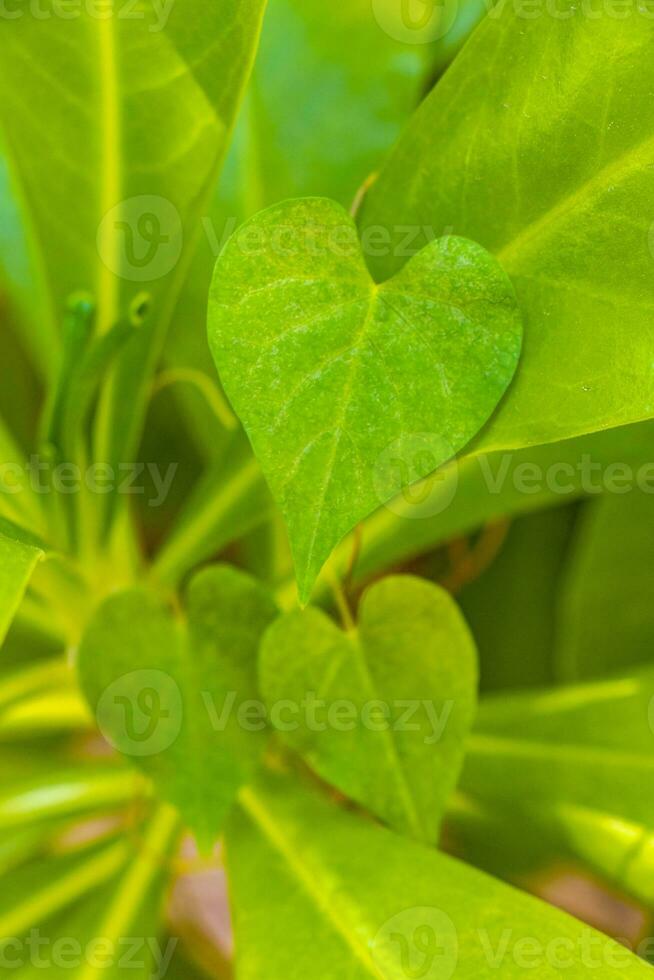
336	378
170	695
382	713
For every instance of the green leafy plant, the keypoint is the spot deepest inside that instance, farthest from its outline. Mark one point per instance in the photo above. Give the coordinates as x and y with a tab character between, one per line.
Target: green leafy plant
325	489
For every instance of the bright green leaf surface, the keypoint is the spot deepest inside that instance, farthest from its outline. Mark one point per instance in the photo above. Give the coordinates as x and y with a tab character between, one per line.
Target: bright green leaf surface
168	694
607	615
354	900
397	699
334	376
465	495
539	143
17	562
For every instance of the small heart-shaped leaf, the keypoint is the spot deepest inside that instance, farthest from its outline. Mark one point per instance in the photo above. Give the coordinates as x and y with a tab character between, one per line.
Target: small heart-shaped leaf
381	713
171	695
336	378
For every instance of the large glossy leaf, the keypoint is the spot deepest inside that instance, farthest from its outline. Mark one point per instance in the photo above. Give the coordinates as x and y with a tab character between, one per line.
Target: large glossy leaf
378	905
17	562
113	200
392	702
169	694
606	622
332	375
539	143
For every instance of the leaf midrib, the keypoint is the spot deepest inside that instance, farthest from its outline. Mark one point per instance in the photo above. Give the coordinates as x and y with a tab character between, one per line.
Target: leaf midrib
338	428
307	879
408	801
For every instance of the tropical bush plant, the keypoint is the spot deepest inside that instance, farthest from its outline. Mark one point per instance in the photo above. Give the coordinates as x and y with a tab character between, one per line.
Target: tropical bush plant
345	611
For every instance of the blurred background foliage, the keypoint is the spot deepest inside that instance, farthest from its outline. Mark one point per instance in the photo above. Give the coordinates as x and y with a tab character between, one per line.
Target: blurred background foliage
557	587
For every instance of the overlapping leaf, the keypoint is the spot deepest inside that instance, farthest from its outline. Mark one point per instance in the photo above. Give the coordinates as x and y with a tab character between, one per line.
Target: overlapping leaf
386	708
378	905
169	694
333	376
539	143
